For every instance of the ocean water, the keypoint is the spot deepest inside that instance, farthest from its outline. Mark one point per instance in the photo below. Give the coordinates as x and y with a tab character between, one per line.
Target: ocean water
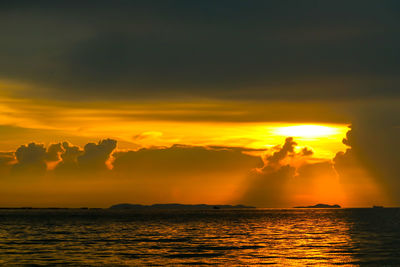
286	237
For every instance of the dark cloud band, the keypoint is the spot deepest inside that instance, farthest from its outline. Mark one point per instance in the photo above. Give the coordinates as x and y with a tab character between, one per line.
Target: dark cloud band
282	50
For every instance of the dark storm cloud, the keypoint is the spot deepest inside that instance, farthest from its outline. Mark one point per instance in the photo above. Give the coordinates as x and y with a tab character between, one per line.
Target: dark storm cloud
225	49
375	144
359	182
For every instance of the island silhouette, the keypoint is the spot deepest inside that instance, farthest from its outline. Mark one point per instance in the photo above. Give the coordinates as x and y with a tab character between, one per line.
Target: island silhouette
178	206
319	206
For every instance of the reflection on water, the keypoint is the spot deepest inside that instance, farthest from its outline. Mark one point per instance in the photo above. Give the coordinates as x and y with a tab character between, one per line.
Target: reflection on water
236	237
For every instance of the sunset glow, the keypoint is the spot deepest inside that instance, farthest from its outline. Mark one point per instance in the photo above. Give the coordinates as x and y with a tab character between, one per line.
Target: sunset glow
173	105
309	131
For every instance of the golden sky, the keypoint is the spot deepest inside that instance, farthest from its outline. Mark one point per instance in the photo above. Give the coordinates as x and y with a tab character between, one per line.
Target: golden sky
164	139
207	123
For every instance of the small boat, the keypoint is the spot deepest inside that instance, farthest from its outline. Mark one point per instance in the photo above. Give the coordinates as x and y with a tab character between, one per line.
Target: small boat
377	207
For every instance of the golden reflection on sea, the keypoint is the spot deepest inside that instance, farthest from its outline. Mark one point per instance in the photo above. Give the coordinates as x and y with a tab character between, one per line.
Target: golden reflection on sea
291	237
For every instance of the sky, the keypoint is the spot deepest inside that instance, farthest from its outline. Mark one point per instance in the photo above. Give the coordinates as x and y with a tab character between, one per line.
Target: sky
264	103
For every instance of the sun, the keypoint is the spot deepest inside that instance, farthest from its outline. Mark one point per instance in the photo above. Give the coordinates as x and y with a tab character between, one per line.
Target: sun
307	131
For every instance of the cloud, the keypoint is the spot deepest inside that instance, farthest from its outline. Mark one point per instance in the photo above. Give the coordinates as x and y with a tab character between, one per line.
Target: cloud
182	173
361	186
183	160
53	152
252	50
147	135
288	148
30	159
307	152
34	159
287	176
94	156
69	158
157	162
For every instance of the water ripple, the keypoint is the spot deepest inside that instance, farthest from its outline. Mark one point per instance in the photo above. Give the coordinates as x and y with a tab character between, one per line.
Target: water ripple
223	237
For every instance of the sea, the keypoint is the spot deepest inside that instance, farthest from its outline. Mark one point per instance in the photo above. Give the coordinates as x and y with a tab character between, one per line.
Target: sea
242	237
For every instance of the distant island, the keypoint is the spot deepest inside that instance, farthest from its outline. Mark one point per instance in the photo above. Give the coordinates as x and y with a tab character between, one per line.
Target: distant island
320	206
178	206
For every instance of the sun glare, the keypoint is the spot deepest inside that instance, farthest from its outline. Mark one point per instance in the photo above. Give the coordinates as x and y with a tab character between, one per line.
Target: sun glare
307	131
